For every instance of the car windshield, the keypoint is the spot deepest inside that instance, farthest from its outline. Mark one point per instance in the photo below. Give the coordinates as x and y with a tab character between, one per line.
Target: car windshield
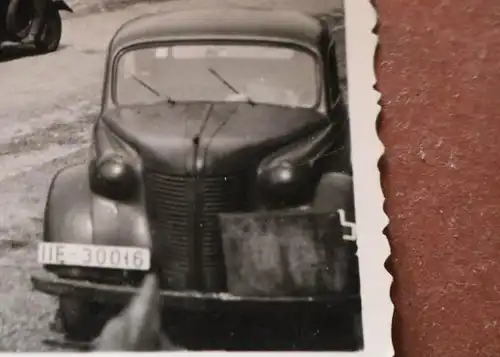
221	72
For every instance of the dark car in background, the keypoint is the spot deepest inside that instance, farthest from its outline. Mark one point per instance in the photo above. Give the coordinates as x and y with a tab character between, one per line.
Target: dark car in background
16	18
221	161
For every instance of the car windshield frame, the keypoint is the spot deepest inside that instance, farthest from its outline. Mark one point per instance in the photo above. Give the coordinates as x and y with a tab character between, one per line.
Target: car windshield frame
309	50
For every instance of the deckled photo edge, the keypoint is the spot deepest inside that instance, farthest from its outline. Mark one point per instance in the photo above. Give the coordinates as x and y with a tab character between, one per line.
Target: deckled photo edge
367	149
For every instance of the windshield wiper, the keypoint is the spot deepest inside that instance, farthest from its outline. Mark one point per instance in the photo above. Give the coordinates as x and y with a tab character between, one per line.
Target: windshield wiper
152	90
228	85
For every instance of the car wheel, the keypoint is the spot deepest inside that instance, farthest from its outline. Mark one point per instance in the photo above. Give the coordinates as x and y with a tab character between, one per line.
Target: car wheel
82	320
18	18
52	33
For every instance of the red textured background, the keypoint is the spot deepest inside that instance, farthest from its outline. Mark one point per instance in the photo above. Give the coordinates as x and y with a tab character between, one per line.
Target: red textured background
438	69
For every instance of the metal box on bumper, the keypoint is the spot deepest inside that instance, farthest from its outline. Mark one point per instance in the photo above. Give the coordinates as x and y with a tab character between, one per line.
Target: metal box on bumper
286	253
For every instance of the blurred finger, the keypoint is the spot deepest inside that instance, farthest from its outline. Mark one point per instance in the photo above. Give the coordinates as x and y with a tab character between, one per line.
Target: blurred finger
146	301
144	315
138	326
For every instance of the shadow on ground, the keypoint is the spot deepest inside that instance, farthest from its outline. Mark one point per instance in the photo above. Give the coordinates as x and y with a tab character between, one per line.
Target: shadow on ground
14	52
244	332
259	332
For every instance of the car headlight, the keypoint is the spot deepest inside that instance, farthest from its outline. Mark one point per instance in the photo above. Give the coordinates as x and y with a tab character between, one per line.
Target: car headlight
112	177
285	185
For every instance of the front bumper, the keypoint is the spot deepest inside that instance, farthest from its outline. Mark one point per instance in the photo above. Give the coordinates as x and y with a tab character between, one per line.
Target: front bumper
191	300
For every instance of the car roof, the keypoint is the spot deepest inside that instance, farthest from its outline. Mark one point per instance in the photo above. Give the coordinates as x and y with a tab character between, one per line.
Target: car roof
287	25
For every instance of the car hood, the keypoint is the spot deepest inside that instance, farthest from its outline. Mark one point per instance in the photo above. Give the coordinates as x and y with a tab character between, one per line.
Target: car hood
213	138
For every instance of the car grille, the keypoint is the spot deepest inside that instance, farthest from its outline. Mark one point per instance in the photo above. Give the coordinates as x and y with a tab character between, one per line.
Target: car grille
185	228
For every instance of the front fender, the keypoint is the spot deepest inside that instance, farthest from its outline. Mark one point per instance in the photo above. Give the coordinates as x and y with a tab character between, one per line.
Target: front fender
335	191
74	214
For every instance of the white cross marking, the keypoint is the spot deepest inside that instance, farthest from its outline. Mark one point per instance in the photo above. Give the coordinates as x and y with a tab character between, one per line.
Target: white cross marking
346	224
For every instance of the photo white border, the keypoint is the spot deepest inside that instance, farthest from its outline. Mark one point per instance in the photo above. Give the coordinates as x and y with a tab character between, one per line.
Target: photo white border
373	247
367	149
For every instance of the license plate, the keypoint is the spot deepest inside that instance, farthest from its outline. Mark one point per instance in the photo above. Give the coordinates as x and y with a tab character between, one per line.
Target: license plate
95	256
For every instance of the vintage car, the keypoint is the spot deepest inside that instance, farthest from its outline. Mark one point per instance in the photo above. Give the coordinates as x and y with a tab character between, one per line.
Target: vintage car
221	161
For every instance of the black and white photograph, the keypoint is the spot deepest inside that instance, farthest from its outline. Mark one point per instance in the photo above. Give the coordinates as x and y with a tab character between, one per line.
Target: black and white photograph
191	176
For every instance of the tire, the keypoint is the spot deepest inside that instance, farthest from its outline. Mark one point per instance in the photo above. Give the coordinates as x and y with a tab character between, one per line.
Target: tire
82	320
19	18
52	32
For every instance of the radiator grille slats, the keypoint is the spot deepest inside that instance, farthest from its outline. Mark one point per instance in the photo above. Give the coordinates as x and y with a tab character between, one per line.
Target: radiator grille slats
183	218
